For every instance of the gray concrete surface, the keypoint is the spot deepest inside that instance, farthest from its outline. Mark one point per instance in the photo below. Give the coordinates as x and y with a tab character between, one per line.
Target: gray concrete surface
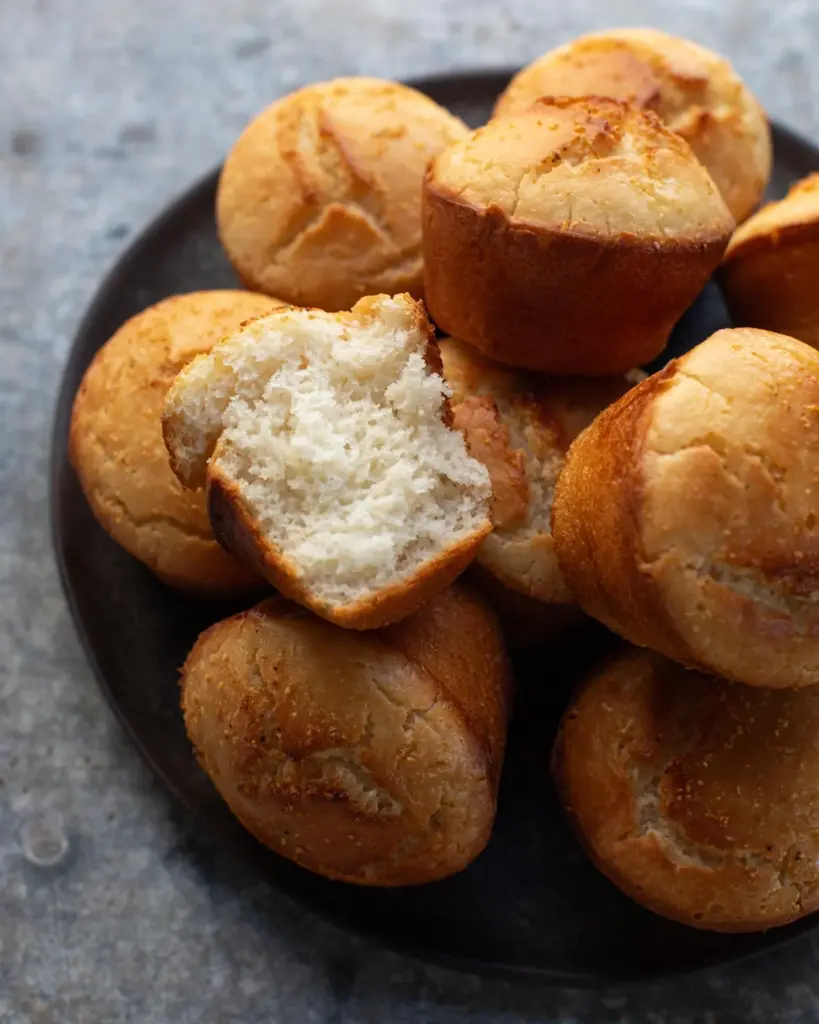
107	109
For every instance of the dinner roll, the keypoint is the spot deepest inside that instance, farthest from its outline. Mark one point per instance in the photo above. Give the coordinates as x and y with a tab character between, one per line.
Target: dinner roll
685	516
116	447
570	237
771	268
368	757
520	426
699	798
330	464
694	91
319	200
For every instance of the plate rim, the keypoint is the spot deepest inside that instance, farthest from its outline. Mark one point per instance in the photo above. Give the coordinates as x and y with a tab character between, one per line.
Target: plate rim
58	462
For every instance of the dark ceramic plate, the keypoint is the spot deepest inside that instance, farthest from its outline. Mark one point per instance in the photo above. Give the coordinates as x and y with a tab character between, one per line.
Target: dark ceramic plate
531	904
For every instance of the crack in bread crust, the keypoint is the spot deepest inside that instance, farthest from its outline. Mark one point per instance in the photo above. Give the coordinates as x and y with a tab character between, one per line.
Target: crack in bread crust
339	771
694	795
312	146
652	819
695	93
372	775
319	199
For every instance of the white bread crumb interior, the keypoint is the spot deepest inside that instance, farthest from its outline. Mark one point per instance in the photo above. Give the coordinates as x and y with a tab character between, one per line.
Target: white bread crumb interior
330	426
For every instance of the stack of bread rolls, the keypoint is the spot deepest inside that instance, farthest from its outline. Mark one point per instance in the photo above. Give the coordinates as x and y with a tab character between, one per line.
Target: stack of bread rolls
685	520
299	435
317	435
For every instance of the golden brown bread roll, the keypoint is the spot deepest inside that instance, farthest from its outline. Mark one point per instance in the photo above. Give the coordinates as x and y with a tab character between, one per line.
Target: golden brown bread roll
520	427
330	463
116	446
368	757
569	238
699	798
319	200
694	91
685	516
771	268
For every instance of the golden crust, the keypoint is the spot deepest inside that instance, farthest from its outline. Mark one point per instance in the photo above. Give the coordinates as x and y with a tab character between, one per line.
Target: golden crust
116	446
694	91
590	166
771	266
319	200
479	420
685	516
520	427
793	218
599	253
372	758
697	797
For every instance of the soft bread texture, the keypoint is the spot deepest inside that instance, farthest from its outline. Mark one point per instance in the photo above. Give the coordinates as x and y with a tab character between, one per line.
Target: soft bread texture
685	516
520	427
699	798
368	757
694	91
771	268
570	237
329	465
319	200
116	446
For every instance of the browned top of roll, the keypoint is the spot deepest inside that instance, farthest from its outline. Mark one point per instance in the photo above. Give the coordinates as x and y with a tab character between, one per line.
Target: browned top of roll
319	200
372	757
700	798
693	90
730	476
589	166
686	516
794	219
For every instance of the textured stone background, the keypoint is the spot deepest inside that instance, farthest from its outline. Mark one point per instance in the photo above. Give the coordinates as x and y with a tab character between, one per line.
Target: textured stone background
107	109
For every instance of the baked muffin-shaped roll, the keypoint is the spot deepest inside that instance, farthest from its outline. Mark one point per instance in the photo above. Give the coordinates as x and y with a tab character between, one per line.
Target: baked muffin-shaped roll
116	446
570	237
331	467
319	201
697	797
771	268
685	518
694	91
368	757
520	427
